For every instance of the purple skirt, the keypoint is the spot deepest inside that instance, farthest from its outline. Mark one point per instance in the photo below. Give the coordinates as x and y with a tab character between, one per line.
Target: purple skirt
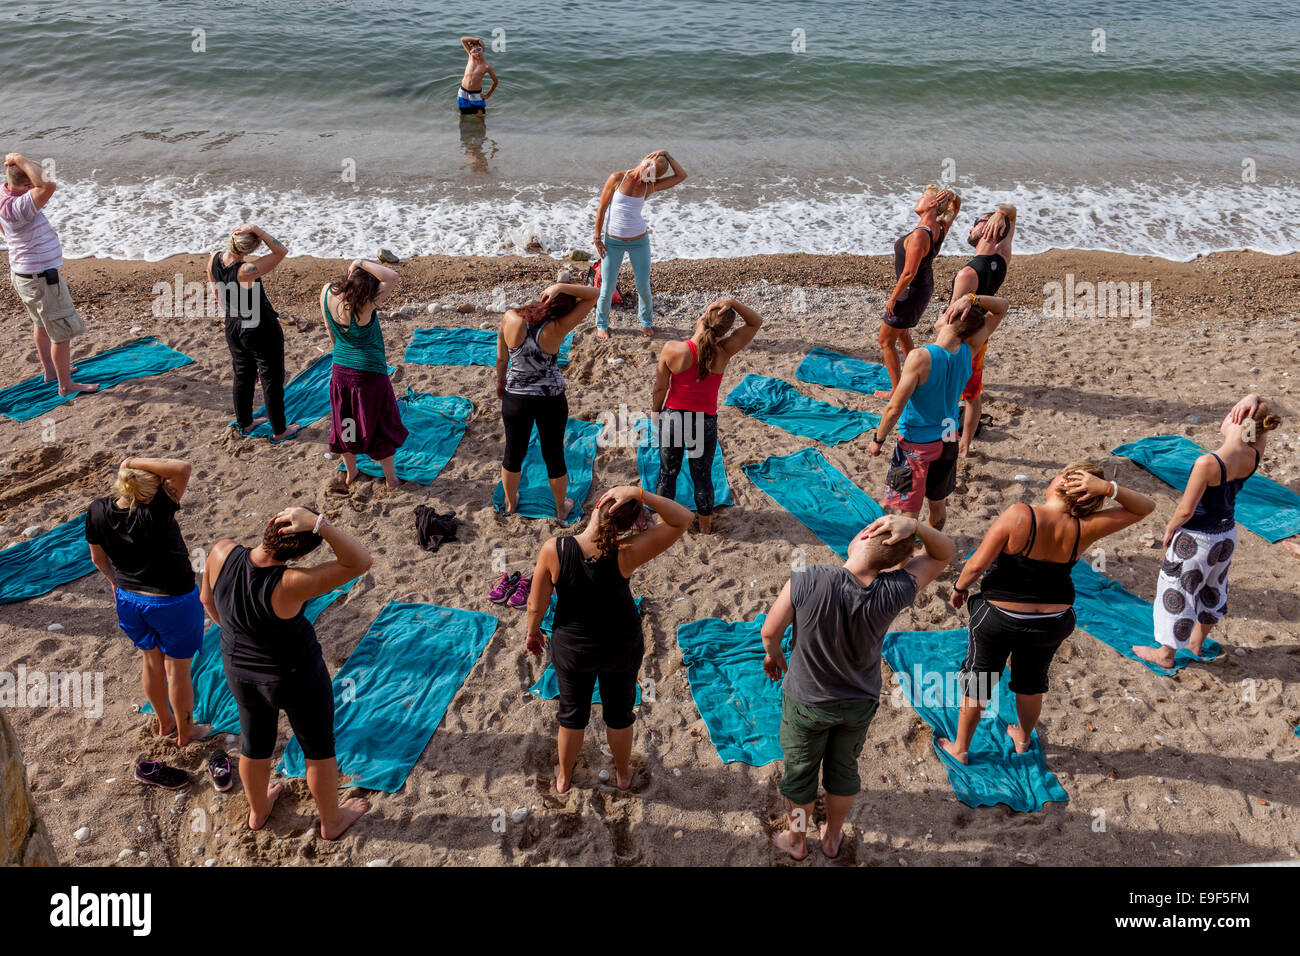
363	414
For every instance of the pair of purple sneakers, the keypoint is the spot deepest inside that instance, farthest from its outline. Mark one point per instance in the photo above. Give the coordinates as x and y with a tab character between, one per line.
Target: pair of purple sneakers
511	590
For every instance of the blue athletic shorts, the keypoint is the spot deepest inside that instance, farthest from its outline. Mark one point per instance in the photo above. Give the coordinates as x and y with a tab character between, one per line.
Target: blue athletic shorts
172	624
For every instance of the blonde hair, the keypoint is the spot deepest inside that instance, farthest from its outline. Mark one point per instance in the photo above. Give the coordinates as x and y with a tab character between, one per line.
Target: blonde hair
137	486
935	190
1266	419
1078	508
716	325
243	244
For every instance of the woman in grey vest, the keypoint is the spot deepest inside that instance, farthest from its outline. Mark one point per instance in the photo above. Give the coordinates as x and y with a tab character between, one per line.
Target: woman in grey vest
531	386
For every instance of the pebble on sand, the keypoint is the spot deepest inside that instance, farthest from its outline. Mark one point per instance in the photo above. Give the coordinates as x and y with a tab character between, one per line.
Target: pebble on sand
124	855
604	776
82	834
55	627
210	861
377	863
32	531
520	814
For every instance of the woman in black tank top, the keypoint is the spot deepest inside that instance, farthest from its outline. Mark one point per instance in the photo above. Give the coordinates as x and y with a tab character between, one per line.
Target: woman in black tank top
253	332
596	638
913	265
1024	608
272	659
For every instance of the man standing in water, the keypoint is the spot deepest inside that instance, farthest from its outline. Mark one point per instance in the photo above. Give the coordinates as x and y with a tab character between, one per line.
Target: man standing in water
470	98
35	257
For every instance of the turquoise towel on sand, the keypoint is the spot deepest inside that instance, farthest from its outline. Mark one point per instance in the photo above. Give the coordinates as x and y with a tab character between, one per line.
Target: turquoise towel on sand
547	687
1269	509
391	694
1123	620
39	565
779	403
535	498
647	465
463	347
926	664
740	705
306	397
436	424
213	702
837	370
138	359
818	494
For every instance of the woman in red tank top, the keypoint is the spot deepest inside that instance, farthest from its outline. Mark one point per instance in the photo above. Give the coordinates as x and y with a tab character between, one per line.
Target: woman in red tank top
686	400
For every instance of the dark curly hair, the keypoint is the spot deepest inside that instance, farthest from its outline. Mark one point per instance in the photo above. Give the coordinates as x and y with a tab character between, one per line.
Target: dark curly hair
357	289
614	522
287	547
558	307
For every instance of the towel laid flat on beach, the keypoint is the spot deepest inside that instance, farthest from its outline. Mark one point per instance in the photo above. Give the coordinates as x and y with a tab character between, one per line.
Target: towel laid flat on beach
740	705
547	686
306	397
779	403
647	464
393	690
828	367
818	494
213	702
1269	509
926	665
138	359
1123	620
40	564
436	424
463	347
535	498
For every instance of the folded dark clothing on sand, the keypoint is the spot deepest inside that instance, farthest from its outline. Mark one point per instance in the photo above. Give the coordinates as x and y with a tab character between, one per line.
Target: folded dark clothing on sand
435	529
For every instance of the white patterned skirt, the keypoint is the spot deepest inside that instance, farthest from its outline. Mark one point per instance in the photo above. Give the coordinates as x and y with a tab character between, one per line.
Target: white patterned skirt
1193	585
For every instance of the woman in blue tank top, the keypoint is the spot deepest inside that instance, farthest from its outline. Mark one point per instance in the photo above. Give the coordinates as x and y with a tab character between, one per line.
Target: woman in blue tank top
1192	591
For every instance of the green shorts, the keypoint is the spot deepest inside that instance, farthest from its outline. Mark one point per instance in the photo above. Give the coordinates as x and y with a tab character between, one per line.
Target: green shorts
828	737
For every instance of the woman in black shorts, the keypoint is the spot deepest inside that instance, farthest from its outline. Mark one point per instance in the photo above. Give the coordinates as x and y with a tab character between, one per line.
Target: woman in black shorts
1024	609
597	633
913	265
531	386
272	659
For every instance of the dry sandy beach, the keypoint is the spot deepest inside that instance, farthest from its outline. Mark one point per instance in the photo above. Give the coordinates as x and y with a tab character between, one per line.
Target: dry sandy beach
1197	768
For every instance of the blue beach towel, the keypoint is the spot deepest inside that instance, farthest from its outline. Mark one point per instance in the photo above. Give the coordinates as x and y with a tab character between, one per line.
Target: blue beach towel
740	705
779	403
647	465
306	397
837	370
818	494
436	424
37	566
535	498
137	359
213	702
463	347
1123	620
926	664
391	694
1269	509
547	686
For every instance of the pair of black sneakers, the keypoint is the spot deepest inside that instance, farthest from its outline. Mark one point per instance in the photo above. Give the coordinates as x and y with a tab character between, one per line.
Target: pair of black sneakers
158	774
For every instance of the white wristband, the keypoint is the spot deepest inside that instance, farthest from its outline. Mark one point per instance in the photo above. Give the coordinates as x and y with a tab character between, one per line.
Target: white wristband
1114	490
320	519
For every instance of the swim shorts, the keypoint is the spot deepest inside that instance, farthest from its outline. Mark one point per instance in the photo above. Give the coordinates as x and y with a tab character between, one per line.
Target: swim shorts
470	101
920	471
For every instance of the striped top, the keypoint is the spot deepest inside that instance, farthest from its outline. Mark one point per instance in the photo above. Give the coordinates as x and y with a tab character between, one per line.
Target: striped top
359	347
33	244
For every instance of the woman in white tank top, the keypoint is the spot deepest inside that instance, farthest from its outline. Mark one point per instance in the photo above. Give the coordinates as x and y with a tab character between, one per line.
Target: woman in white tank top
621	230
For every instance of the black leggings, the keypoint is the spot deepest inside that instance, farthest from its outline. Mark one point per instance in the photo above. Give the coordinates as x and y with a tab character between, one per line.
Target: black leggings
579	664
304	694
257	352
679	432
551	415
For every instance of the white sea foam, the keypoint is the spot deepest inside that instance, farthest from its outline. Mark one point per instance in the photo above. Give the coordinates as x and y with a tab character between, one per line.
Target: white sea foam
157	218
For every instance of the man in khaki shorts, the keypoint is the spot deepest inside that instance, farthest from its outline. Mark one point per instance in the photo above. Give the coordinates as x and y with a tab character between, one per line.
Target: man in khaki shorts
35	257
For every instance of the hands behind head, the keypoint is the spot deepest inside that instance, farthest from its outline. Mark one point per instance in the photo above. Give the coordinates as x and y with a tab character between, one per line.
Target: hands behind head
722	305
12	159
618	496
897	527
294	520
1244	409
955	312
1085	485
240	230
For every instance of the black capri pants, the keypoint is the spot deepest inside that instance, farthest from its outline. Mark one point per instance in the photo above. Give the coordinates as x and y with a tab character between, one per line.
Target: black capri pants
580	665
303	693
551	415
996	635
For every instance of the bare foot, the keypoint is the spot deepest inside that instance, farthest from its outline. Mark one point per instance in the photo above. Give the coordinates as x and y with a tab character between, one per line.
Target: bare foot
253	426
562	784
1019	738
197	732
602	333
795	844
568	508
338	486
883	393
1293	547
289	432
350	811
706	524
1160	656
158	730
395	483
75	387
830	849
272	794
963	451
50	378
622	782
961	756
648	331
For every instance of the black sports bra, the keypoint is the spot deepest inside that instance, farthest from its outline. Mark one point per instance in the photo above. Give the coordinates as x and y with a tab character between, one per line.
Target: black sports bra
1020	578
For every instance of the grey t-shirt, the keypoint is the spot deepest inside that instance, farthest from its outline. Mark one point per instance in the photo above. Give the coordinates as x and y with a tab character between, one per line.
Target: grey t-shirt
839	626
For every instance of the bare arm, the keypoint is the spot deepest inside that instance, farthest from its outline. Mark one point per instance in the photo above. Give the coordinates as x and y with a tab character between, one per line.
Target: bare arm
996	308
467	42
539	596
174	472
602	208
994	543
503	359
300	585
255	270
742	336
648	545
42	188
1202	471
663	378
387	278
668	182
939	552
778	619
1133	507
492	73
586	296
915	371
99	557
